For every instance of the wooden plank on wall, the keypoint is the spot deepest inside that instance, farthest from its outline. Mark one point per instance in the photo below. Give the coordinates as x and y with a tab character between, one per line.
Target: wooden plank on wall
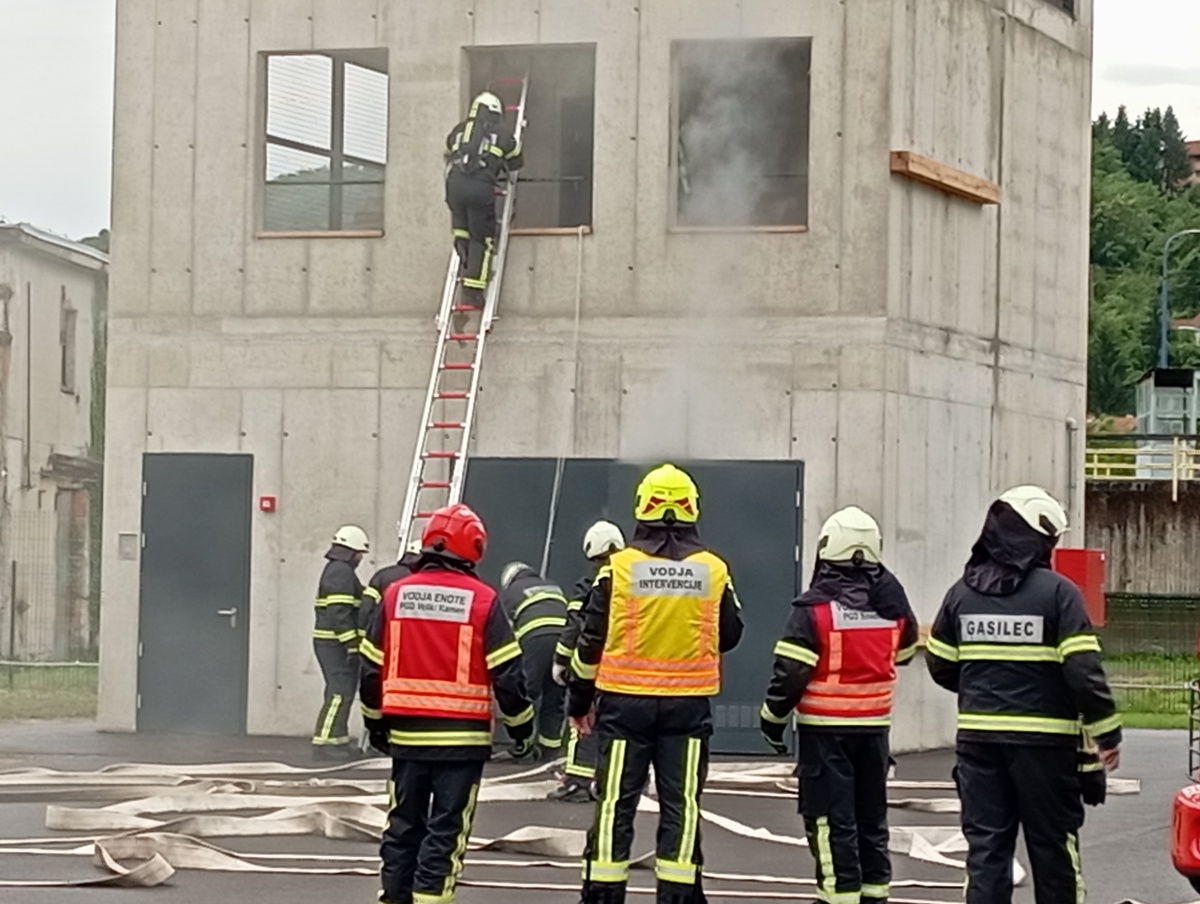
944	178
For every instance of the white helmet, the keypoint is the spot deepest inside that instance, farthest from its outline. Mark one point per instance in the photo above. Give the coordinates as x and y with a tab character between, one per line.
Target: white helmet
510	572
1040	510
352	537
488	101
848	532
602	538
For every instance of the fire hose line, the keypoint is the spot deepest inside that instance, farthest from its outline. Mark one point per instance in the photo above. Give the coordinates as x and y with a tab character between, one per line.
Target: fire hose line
204	798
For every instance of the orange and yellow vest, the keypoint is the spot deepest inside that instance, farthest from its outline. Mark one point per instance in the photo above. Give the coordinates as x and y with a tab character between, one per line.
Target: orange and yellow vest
434	662
856	675
663	625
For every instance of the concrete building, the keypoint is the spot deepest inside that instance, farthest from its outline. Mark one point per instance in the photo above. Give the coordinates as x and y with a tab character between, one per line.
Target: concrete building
50	292
835	233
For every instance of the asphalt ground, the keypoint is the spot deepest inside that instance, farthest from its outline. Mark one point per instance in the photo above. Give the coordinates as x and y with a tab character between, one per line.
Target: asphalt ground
1125	843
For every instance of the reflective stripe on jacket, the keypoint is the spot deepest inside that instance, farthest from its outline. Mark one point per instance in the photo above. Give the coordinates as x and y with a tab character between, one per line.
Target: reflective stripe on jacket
663	632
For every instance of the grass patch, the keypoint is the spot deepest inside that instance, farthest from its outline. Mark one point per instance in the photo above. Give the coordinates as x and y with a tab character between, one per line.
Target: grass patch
47	692
1154	720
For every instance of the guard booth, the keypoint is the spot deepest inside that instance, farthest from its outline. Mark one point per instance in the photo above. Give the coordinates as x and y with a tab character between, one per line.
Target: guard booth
1168	404
750	514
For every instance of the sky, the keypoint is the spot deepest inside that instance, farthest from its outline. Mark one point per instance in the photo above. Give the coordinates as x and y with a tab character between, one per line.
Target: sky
56	63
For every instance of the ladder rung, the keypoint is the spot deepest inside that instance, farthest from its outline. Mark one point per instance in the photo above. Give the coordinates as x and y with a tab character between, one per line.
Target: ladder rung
512	108
508	81
440	455
425	515
463	337
436	485
451	395
466	308
454	365
447	425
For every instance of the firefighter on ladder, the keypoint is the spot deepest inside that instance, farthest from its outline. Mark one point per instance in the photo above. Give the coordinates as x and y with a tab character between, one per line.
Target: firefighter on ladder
335	640
657	619
1013	640
480	152
836	667
438	655
600	541
538	612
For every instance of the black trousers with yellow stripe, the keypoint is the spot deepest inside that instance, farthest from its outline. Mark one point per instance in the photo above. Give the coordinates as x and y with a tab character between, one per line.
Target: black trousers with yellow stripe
672	735
339	667
428	829
843	799
548	696
1003	786
472	202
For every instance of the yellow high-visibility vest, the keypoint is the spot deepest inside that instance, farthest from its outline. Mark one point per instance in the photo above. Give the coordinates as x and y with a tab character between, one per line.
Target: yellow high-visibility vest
663	625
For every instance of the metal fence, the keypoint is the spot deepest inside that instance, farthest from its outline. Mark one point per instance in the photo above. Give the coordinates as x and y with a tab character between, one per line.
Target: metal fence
1150	651
47	690
48	627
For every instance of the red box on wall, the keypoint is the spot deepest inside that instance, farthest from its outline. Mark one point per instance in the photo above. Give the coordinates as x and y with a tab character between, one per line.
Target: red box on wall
1087	569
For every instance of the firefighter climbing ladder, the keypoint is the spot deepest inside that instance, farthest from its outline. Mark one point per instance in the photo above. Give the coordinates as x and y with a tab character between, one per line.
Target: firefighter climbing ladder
439	465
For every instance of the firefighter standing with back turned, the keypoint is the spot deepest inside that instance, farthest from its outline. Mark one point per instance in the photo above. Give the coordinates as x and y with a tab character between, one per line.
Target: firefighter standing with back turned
381	580
1014	641
335	640
600	541
538	612
836	667
480	151
438	654
657	619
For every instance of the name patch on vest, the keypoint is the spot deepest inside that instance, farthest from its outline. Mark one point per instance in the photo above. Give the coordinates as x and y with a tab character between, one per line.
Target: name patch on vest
690	579
437	603
1000	628
847	619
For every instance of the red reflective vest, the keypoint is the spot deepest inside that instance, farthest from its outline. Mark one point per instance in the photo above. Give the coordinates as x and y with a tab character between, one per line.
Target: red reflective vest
856	674
434	662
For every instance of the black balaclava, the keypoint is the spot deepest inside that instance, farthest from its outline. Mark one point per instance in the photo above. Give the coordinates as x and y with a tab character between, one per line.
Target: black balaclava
667	539
1006	551
866	587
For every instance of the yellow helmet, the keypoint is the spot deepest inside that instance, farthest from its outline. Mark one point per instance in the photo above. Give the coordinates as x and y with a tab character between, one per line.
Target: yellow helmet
665	490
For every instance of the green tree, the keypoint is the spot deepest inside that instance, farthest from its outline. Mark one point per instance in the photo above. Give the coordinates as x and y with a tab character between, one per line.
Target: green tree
1177	165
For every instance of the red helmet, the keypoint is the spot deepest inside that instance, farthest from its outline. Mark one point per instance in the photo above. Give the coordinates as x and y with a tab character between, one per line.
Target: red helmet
456	529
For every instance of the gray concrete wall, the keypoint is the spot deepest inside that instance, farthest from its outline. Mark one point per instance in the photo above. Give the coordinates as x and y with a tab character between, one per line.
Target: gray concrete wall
918	352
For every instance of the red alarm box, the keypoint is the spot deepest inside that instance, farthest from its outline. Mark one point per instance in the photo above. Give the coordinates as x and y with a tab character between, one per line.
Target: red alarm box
1185	832
1086	568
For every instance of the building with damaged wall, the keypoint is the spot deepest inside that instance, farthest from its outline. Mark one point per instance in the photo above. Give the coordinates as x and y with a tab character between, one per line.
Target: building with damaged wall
51	290
830	249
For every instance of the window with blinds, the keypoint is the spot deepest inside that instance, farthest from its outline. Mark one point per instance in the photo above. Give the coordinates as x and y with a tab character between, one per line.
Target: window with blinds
326	142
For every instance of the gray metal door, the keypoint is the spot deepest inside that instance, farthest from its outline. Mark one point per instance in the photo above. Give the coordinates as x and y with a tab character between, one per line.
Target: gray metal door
751	515
194	612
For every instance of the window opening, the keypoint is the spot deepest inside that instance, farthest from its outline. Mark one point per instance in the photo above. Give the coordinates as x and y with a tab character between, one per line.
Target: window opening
556	182
740	132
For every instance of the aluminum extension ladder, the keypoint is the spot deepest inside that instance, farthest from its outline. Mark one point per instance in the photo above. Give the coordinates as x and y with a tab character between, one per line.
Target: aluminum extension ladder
439	464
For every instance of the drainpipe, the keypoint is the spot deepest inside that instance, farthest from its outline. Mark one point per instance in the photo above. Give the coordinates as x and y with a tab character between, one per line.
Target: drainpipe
1072	463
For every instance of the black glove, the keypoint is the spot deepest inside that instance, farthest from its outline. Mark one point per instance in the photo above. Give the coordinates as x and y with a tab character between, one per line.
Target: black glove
377	736
1093	780
772	733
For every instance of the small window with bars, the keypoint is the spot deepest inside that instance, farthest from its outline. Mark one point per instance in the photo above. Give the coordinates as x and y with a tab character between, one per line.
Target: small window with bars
326	142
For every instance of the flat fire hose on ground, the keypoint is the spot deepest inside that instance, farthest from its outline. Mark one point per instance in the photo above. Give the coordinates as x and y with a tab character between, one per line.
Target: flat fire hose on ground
205	801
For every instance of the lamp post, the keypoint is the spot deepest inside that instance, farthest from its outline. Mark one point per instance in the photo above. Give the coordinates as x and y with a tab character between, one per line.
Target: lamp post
1164	298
